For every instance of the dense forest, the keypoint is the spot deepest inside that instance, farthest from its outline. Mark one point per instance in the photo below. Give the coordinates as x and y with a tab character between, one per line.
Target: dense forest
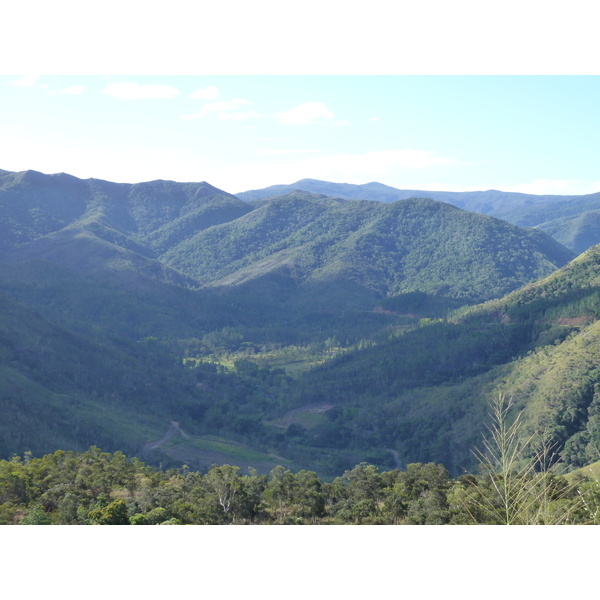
346	350
97	488
572	220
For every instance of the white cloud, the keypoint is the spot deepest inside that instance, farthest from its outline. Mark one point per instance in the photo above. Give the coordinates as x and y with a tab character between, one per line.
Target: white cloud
238	116
218	107
134	91
559	187
208	93
309	112
374	119
73	90
26	81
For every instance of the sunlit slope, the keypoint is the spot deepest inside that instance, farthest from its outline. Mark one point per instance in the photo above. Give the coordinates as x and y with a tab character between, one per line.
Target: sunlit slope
426	393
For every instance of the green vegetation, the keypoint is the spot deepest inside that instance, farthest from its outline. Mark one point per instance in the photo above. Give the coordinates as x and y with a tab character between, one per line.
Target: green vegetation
513	489
98	488
305	331
301	244
574	221
424	392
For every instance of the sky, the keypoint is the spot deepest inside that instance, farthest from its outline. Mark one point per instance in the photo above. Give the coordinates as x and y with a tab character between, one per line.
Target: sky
431	95
533	134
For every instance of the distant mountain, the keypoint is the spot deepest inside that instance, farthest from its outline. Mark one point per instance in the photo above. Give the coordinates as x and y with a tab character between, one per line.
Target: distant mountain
336	253
571	220
292	254
482	201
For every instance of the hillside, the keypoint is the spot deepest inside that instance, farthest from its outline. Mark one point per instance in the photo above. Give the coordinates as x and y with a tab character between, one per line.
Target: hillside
141	305
426	392
304	244
571	220
71	390
60	389
274	261
85	252
156	214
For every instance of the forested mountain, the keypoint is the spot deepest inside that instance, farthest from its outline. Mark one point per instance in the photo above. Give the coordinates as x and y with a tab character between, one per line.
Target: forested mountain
482	202
313	245
157	213
127	308
288	257
427	392
574	221
85	252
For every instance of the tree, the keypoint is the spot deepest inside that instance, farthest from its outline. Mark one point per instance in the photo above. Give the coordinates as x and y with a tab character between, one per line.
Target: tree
36	516
279	494
224	483
113	514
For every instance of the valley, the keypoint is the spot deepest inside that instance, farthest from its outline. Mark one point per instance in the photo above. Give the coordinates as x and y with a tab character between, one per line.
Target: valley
311	328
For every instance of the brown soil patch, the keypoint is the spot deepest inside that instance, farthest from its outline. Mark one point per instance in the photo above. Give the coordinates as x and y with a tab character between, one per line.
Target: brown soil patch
576	321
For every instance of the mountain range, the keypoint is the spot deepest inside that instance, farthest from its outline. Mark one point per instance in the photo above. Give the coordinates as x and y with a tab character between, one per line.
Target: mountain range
311	250
126	307
574	221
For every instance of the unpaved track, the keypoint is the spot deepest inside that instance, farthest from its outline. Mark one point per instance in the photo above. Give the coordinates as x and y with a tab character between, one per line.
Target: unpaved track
172	431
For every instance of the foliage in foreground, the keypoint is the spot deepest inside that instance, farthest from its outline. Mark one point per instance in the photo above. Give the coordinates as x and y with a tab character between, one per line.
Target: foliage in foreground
99	488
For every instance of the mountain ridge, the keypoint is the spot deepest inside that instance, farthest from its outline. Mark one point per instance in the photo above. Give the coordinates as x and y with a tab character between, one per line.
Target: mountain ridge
194	235
556	214
158	272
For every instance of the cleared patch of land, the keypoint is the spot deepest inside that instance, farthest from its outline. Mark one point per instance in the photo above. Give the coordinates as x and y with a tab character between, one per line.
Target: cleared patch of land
309	415
203	451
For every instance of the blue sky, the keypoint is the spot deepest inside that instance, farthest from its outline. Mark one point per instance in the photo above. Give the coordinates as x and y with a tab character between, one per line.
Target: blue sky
535	134
436	95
